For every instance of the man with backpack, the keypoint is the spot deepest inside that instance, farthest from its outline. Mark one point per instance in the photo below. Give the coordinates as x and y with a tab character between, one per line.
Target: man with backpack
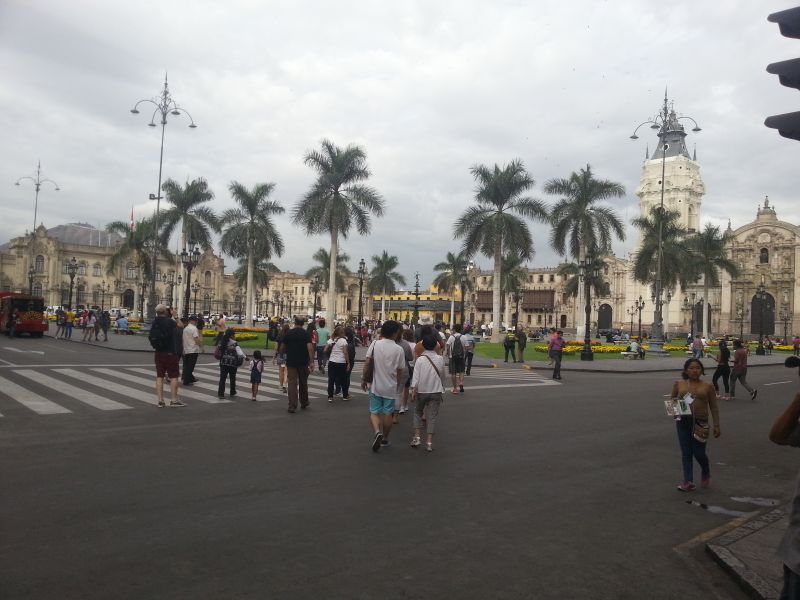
162	338
457	355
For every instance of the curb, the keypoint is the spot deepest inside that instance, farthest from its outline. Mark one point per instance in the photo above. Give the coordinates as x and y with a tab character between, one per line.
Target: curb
752	583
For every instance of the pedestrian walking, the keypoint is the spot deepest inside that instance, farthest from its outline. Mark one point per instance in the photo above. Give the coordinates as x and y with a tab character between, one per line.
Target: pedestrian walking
509	344
338	363
192	346
220	327
427	389
279	358
296	345
469	348
456	357
402	390
769	345
693	430
350	336
409	346
786	432
739	370
163	339
69	324
89	324
61	318
697	347
105	323
723	369
522	341
256	369
555	350
98	317
322	340
796	345
231	357
385	362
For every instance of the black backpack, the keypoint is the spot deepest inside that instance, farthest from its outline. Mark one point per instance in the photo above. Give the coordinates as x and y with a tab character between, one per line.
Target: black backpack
458	347
158	337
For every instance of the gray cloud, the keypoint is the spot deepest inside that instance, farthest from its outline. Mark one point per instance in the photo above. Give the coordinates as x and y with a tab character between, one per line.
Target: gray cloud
428	89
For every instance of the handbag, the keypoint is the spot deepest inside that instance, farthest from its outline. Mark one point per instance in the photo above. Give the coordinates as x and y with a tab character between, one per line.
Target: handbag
367	373
700	431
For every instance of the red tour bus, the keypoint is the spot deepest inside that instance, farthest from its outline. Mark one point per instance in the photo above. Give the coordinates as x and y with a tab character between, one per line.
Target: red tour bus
30	313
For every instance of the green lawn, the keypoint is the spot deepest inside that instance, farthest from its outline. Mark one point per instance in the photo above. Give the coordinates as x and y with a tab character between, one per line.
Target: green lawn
497	352
256	344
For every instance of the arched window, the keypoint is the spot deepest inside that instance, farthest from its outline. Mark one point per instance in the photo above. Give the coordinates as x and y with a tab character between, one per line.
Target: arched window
95	297
96	270
37	289
130	271
39	267
763	256
80	295
82	268
208	278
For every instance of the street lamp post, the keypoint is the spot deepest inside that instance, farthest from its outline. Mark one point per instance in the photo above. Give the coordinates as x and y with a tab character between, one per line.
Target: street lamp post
103	289
631	312
72	270
37	185
416	297
584	278
164	105
639	305
785	317
142	289
761	294
31	273
666	122
189	260
195	287
691	306
740	318
362	271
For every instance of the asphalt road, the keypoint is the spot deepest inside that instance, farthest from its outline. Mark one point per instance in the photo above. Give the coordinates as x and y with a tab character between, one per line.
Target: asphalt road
536	490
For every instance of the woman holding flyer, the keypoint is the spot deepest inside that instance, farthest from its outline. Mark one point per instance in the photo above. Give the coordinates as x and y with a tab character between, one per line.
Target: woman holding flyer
693	429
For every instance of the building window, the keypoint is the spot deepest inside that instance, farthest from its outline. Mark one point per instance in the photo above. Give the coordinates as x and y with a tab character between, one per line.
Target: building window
37	289
95	297
82	269
80	295
39	264
538	319
158	274
208	278
96	270
552	278
130	271
530	278
763	256
303	291
541	278
529	319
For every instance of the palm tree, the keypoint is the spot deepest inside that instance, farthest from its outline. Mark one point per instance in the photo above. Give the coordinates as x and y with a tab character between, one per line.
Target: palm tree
337	201
250	232
493	226
452	274
571	271
321	271
512	279
382	277
707	249
263	270
677	263
581	226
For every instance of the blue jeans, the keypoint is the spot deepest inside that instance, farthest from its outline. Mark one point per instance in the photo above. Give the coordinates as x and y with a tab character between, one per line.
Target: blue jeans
691	448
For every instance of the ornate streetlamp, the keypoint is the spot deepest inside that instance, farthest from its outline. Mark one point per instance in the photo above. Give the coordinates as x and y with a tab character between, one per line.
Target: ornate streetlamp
189	260
31	273
631	312
785	318
72	270
761	294
692	306
195	287
669	130
416	297
362	271
639	304
164	105
584	278
37	185
103	289
740	318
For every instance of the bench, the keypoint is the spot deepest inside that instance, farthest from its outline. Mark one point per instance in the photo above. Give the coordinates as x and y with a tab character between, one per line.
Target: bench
630	355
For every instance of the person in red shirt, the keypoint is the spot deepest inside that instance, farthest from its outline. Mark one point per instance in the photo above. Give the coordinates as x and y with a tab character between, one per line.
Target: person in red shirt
555	349
739	370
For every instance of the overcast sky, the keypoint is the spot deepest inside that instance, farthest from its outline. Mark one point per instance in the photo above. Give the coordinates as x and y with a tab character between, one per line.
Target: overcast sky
427	88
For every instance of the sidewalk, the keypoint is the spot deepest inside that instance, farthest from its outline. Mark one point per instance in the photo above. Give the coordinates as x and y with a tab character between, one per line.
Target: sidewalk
139	343
748	553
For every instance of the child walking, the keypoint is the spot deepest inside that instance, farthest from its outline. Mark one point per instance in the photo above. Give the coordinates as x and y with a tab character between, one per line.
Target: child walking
256	368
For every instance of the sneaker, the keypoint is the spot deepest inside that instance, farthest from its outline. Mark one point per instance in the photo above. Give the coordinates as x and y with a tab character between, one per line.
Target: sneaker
415	442
686	486
253	398
345	397
429	447
291	410
385	442
233	394
461	389
705	482
376	443
285	390
753	395
222	397
339	393
161	404
176	404
330	399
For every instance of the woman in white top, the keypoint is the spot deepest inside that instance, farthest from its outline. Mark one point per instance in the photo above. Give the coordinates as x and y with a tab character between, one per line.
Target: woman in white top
338	363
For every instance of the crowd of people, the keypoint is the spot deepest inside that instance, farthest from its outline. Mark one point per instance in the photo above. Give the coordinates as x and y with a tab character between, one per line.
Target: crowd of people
91	322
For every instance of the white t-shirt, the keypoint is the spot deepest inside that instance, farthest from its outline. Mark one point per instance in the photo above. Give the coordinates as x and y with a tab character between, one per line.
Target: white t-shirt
190	345
338	350
387	358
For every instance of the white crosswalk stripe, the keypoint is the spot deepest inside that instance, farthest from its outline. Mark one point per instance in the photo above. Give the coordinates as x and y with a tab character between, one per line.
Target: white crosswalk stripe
63	388
243	387
31	400
109	384
150	382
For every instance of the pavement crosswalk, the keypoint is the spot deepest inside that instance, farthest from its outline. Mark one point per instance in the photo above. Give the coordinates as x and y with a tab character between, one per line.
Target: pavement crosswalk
65	389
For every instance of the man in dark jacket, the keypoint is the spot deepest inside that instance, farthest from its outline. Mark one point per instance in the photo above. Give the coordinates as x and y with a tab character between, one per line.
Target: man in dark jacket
167	356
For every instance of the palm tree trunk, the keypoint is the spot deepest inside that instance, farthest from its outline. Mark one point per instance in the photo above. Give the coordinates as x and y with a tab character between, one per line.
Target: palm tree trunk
179	305
452	307
249	308
331	308
383	304
706	310
580	301
496	317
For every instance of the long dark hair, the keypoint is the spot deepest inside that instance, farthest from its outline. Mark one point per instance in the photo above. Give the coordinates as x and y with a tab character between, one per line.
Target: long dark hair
229	333
686	365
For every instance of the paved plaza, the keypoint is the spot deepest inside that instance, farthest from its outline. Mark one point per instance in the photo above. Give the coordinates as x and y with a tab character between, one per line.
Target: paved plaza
536	489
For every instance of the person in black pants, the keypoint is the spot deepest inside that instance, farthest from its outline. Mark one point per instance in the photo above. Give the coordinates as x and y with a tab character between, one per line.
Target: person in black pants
556	352
232	357
723	368
509	346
